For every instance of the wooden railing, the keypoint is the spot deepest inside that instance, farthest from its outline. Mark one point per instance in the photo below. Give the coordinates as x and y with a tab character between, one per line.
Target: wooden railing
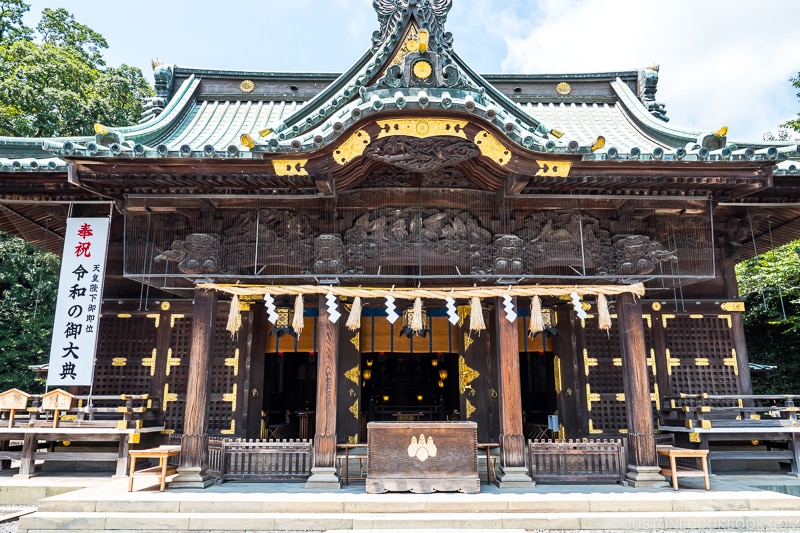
596	460
259	460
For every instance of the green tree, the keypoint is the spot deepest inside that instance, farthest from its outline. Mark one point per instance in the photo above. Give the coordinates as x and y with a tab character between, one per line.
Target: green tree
60	86
770	285
11	26
794	123
28	288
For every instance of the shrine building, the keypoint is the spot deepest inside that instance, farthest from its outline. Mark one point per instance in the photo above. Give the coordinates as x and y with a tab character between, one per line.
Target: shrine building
298	255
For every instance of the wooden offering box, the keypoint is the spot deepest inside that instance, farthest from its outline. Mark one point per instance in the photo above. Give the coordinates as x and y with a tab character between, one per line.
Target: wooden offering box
422	457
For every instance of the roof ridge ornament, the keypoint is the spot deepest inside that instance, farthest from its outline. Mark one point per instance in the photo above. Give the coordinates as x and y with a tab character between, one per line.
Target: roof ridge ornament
394	16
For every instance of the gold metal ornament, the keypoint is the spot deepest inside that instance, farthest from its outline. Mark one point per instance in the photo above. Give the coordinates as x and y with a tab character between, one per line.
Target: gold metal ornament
247	86
466	375
290	167
470	409
492	148
554	169
354	374
353	147
422	128
563	88
733	307
422	69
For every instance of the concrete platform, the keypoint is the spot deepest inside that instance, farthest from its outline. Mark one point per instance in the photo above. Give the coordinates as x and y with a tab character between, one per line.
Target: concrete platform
731	505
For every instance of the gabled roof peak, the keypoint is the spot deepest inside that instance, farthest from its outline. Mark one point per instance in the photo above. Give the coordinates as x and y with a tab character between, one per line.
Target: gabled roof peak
395	16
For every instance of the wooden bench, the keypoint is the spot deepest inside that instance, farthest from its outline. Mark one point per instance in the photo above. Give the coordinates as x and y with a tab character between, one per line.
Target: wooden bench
706	421
344	460
675	470
162	471
53	422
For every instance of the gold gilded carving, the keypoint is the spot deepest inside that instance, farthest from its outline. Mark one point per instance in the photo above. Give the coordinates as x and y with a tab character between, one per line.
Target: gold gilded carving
168	397
233	362
352	147
422	449
352	439
354	374
422	128
150	362
470	409
172	361
119	361
466	375
463	312
231	397
467	342
733	307
554	169
165	306
356	341
290	167
411	45
492	148
656	306
354	409
230	431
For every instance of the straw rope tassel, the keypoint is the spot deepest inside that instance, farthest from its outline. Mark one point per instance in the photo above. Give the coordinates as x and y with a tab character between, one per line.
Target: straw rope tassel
297	321
603	316
234	323
476	322
354	320
537	320
416	318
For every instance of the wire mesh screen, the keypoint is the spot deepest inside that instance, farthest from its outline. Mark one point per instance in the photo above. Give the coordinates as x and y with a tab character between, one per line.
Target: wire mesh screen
406	235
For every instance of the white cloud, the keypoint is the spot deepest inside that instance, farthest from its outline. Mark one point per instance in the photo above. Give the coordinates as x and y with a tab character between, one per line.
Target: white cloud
722	62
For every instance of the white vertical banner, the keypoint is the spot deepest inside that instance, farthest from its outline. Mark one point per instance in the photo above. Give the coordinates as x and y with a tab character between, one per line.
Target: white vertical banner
80	293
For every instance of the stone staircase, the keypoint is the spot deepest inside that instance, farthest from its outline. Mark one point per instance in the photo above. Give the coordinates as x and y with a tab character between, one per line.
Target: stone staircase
287	507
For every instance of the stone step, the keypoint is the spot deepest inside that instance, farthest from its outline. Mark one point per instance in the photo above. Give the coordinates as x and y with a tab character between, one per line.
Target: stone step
51	522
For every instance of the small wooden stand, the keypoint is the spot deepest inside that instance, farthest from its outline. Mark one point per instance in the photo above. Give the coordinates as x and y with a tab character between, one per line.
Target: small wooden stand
675	471
162	453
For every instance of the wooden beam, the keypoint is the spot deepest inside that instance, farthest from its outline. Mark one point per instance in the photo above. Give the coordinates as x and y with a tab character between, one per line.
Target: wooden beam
325	184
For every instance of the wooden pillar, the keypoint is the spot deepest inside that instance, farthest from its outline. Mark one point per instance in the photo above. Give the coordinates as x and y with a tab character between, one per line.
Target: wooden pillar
643	470
323	474
192	472
737	327
513	473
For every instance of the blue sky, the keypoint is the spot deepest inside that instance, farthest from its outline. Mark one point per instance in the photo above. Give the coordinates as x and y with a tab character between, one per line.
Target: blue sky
723	62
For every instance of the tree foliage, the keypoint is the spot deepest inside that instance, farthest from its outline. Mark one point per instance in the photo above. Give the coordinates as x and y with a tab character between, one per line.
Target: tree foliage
795	122
28	288
59	85
770	285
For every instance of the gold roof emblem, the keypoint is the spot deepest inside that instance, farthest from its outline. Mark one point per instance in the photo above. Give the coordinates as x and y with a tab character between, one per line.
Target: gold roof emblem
247	86
563	88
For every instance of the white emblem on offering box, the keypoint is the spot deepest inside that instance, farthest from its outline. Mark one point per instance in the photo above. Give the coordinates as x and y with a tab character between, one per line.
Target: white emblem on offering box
422	449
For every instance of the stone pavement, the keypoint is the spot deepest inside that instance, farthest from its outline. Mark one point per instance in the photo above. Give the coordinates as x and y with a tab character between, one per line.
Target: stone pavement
731	505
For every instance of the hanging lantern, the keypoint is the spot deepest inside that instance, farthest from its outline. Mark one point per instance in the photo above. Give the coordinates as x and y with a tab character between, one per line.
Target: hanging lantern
414	317
443	373
283	324
367	373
